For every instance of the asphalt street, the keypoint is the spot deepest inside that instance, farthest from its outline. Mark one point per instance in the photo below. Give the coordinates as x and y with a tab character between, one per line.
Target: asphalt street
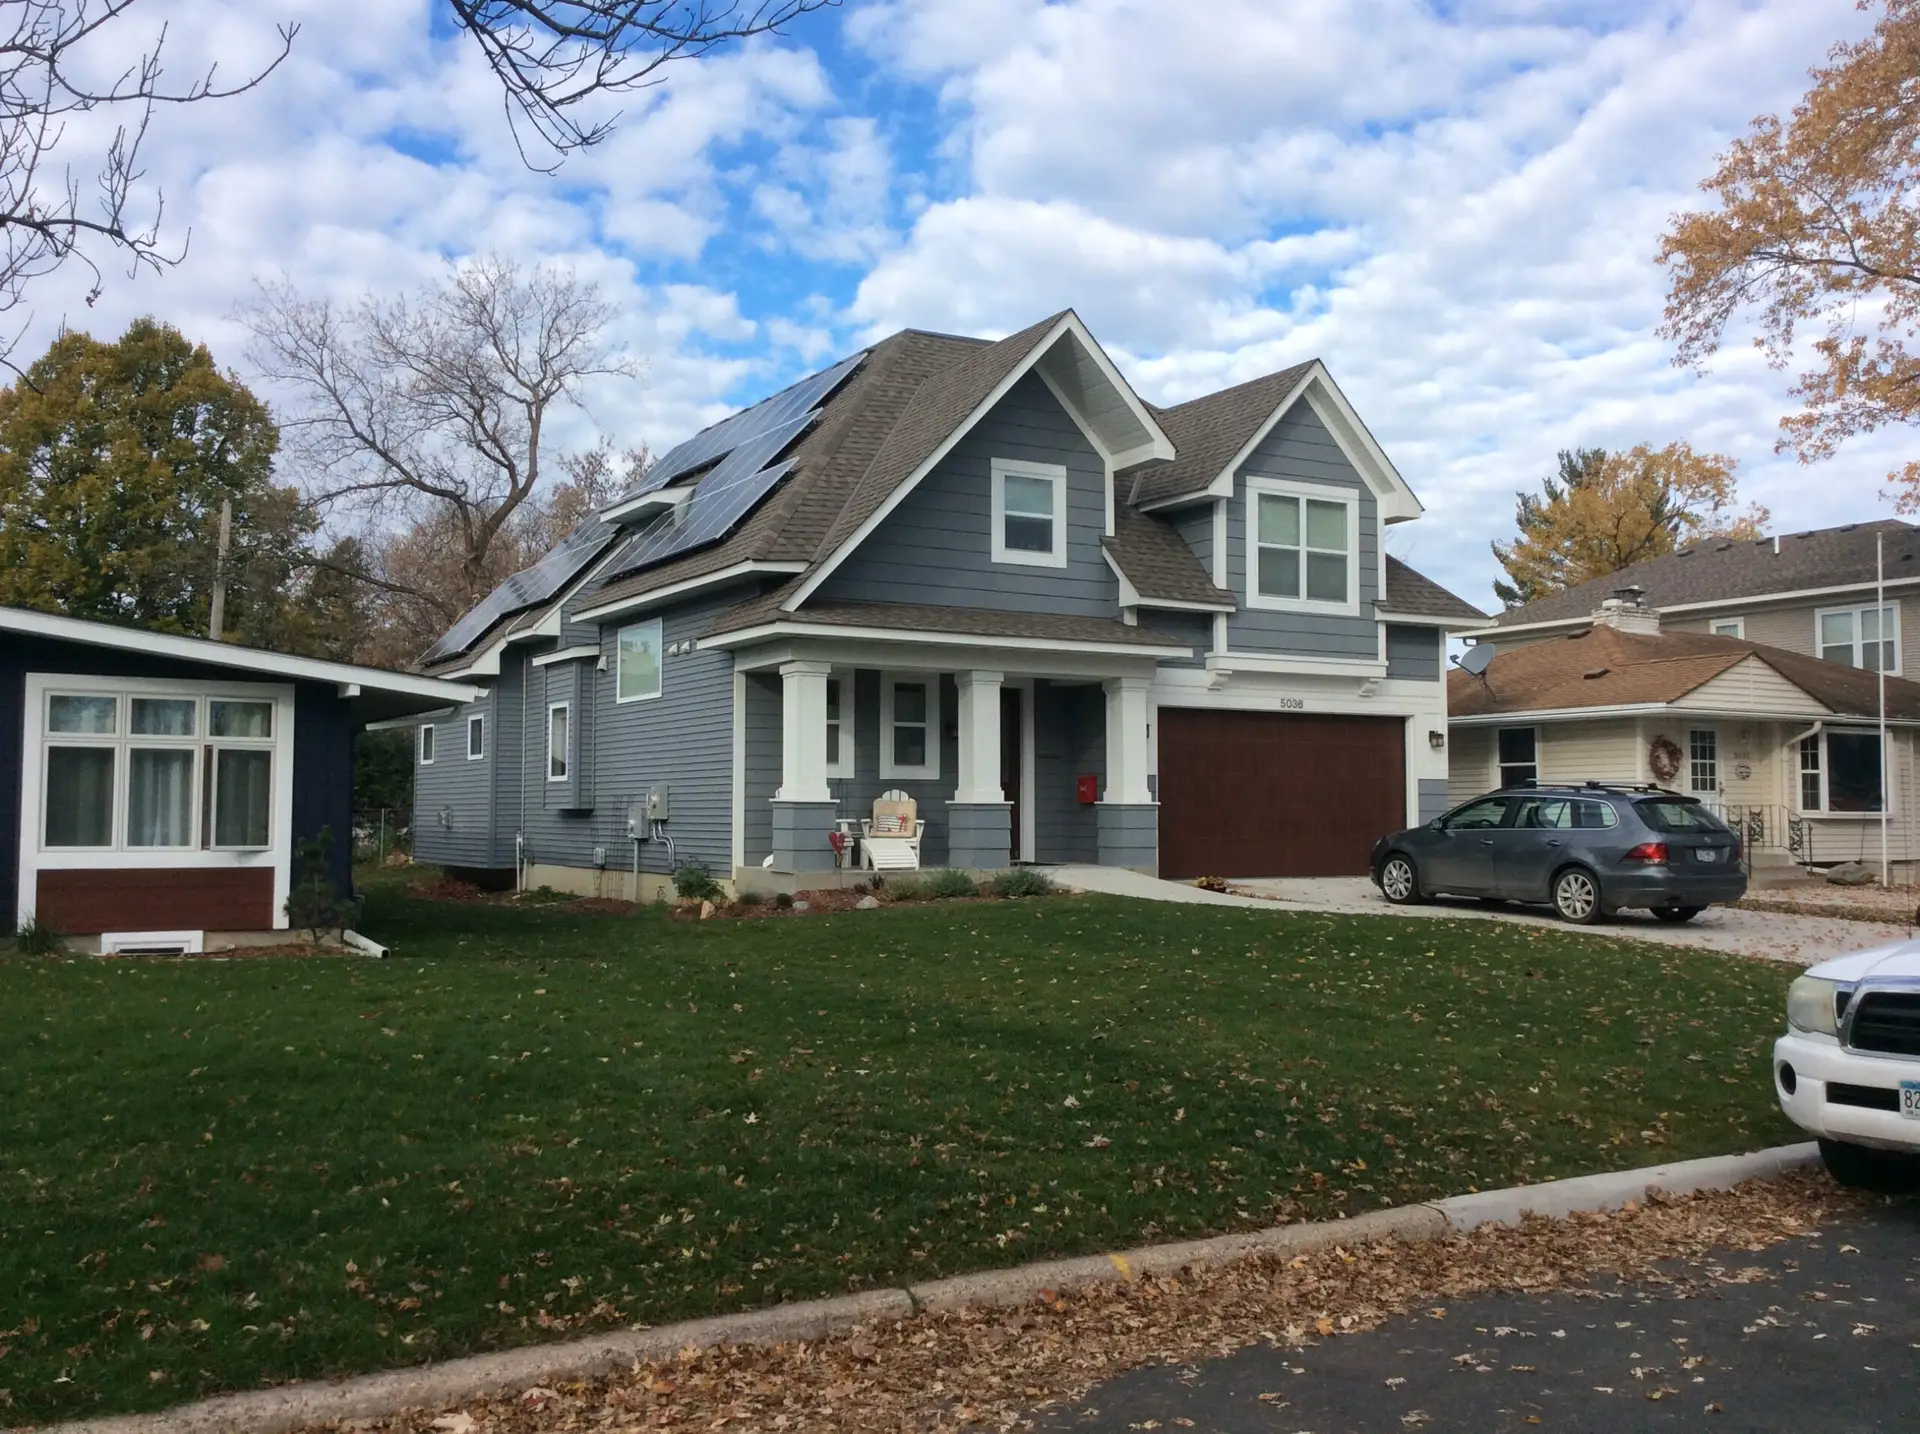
1816	1334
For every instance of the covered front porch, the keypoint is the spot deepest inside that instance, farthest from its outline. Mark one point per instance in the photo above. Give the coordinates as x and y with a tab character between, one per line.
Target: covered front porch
1011	754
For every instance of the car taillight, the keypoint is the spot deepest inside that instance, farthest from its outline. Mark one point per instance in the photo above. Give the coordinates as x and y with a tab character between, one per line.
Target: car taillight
1654	853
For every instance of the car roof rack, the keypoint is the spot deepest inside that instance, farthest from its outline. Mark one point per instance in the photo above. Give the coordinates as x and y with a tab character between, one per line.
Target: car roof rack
1646	788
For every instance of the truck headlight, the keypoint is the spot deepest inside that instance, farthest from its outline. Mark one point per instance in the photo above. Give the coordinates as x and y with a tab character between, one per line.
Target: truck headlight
1810	1006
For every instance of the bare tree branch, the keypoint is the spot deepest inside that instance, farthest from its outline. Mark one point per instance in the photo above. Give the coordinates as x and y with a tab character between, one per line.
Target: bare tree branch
47	50
552	55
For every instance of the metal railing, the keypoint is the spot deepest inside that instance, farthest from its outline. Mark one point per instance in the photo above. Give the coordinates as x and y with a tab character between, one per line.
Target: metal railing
1805	839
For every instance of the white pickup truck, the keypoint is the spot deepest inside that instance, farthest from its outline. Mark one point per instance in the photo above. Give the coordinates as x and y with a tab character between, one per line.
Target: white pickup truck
1848	1069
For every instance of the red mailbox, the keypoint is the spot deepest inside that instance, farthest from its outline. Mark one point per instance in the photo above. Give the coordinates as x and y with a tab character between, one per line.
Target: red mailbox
1086	787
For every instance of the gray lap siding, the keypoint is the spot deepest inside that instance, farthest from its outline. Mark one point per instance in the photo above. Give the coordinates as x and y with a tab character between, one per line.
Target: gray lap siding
1069	740
936	547
682	739
453	798
1413	652
1302	450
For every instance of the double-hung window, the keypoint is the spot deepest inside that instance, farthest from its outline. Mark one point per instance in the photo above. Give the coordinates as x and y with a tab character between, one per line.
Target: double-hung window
1302	547
909	727
1029	513
638	678
559	742
1866	637
1730	627
839	730
1519	752
149	771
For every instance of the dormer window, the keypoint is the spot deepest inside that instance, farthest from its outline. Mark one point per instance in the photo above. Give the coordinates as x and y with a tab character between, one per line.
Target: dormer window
1029	513
1302	547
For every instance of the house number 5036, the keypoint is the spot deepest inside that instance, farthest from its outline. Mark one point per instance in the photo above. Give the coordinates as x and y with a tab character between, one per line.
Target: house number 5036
1293	704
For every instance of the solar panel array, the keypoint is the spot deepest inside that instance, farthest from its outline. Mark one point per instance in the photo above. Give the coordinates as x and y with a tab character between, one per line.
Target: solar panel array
527	588
800	401
740	451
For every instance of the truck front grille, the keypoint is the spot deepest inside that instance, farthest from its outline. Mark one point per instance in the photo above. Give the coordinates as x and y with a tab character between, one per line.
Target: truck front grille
1888	1022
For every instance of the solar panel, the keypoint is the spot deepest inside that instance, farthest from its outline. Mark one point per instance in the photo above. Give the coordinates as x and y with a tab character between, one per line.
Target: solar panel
707	517
526	588
796	401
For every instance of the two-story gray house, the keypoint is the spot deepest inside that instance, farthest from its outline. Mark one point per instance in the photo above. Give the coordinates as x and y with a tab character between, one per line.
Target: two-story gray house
1073	627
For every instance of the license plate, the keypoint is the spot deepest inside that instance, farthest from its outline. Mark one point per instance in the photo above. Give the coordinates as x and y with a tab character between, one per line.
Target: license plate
1707	854
1910	1099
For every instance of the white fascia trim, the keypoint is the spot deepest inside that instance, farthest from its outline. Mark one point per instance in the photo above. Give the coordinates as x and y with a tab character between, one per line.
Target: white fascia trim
566	654
416	719
1069	324
1305	666
747	636
1416	619
1395	498
1158	445
240	659
654	597
1093	440
658	498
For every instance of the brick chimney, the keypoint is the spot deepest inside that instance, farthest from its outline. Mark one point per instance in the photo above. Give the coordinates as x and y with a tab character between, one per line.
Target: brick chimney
1627	611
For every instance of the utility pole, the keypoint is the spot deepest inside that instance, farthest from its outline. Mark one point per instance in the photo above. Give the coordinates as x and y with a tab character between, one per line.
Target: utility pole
220	571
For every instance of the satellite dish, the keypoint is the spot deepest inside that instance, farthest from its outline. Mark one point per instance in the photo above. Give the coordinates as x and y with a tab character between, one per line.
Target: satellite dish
1477	658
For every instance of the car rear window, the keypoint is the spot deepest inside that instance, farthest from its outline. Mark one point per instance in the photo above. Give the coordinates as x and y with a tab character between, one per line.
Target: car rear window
1678	815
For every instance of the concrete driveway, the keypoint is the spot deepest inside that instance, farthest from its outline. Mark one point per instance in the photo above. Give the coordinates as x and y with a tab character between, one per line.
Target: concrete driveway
1775	936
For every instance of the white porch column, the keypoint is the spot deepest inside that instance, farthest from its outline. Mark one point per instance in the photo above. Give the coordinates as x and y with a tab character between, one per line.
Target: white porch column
979	737
1127	740
803	732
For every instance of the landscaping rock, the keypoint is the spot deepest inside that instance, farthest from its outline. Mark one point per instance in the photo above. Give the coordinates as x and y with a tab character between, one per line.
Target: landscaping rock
1852	873
866	903
802	905
706	910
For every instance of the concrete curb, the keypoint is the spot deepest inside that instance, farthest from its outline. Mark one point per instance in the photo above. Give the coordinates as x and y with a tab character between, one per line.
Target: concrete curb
456	1381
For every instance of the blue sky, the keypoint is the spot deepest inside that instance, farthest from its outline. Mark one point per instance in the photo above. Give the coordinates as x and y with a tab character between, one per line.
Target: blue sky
1454	204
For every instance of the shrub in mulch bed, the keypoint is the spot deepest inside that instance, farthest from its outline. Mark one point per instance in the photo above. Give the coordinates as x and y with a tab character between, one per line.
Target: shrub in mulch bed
939	885
996	1368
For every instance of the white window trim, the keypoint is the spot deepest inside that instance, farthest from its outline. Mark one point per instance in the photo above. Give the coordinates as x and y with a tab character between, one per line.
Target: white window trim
1892	606
1056	473
660	661
425	746
844	767
889	769
35	857
1889	778
1738	624
477	722
566	757
1250	555
1539	747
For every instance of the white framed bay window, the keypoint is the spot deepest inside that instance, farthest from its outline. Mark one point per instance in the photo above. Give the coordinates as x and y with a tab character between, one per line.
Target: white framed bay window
1302	547
131	773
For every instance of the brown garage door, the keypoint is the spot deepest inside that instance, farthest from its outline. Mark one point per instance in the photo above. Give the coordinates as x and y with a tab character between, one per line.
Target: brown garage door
1271	794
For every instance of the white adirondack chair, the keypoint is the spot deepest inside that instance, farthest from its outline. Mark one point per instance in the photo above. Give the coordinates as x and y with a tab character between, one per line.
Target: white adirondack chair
890	838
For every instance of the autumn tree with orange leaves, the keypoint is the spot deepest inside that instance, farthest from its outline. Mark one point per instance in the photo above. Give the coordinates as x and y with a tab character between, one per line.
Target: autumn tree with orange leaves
1815	225
1607	511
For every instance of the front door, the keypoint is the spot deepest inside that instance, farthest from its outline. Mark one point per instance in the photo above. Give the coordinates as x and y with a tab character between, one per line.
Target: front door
1010	763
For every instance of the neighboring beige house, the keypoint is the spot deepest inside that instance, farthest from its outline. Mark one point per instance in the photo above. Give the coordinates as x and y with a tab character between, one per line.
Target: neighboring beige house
1810	592
1784	744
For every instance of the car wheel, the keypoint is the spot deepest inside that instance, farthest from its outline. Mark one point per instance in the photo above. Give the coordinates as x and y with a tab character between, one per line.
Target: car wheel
1576	896
1674	915
1399	882
1860	1168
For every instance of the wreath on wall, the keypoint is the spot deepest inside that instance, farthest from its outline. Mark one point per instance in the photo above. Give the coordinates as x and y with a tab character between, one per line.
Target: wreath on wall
1663	755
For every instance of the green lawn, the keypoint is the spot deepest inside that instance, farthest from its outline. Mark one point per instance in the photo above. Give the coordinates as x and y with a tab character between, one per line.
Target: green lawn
526	1124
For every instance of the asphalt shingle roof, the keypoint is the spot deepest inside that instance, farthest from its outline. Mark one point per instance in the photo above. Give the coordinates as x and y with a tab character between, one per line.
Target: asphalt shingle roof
1604	667
1206	432
1723	570
1417	595
1157	560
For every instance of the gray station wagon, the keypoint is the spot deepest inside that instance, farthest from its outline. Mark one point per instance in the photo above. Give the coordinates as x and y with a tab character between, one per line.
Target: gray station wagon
1586	850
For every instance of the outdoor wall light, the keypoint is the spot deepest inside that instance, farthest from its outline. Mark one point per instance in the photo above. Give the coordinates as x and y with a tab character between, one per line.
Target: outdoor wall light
1436	740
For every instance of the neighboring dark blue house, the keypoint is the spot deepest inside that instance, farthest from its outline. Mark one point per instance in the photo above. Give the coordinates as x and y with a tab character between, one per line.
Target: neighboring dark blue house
152	787
1069	625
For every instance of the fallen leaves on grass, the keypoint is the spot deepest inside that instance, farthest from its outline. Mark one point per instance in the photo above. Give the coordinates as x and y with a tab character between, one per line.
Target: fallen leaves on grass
992	1368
